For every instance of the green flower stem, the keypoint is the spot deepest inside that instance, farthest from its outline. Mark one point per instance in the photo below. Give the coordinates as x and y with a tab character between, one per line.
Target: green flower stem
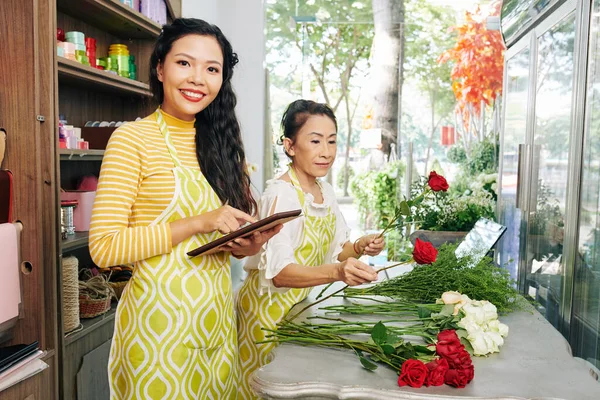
398	214
339	291
323	291
390	225
306	334
288	318
333	341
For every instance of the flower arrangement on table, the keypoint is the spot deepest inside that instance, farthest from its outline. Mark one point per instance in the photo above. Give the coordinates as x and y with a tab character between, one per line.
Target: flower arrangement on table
451	325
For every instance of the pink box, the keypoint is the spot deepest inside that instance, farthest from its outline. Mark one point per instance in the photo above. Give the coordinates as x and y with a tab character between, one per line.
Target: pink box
83	212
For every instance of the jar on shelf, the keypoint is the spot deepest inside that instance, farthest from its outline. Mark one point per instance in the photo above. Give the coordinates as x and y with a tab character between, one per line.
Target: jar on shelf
66	217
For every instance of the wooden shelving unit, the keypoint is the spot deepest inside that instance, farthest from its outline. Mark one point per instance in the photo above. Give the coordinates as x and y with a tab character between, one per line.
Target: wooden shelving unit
81	155
174	7
91	324
112	16
36	90
76	241
74	73
88	94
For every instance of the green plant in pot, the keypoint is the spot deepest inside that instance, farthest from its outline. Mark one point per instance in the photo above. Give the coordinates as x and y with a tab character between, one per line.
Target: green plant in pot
448	216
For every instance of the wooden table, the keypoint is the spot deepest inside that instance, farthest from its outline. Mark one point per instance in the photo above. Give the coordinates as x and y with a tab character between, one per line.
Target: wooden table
534	363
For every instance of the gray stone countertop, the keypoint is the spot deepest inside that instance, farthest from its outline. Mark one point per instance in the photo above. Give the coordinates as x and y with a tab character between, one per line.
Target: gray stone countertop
534	363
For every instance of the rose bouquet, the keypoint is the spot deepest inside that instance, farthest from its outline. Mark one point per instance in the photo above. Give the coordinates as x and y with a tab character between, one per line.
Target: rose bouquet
453	366
456	325
417	365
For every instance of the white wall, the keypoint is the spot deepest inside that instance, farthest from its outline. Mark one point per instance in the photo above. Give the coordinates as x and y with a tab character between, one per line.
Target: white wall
242	21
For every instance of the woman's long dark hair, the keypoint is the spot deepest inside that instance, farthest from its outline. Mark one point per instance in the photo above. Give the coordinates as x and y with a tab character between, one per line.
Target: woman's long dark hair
219	145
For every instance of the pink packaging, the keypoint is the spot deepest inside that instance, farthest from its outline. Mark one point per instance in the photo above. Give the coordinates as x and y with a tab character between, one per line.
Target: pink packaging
10	284
83	212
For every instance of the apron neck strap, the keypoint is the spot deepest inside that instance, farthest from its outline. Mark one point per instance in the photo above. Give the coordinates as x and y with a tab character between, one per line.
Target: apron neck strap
296	182
164	130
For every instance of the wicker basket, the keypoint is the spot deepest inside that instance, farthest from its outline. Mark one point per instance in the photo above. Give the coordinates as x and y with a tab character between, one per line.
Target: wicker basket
90	308
95	296
70	282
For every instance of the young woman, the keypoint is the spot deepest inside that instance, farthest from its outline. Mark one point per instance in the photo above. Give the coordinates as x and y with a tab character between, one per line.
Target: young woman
169	183
309	251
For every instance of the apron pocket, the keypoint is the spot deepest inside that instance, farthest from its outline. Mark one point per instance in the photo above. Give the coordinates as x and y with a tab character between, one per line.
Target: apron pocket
206	307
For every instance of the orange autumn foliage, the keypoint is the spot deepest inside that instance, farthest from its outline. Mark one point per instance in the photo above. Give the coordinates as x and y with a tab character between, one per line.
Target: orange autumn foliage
479	62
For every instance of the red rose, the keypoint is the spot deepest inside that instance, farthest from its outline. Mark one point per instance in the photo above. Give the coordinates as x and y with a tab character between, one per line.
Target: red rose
424	252
464	359
452	350
448	336
437	372
414	373
437	182
457	378
470	372
452	353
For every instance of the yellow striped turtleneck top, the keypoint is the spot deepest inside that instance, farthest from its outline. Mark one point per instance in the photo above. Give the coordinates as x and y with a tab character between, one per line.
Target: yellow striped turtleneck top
136	184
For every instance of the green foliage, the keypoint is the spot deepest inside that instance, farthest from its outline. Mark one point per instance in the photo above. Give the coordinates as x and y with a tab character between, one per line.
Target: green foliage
457	154
341	175
479	169
454	210
336	44
376	193
428	35
483	158
426	283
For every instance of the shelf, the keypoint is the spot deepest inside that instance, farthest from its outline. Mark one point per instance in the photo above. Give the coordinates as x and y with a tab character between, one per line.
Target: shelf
174	7
81	155
91	324
72	72
113	17
49	353
80	239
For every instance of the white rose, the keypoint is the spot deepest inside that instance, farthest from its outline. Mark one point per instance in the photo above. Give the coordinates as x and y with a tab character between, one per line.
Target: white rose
490	311
494	325
465	299
497	326
491	344
503	329
496	338
479	344
470	325
475	312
